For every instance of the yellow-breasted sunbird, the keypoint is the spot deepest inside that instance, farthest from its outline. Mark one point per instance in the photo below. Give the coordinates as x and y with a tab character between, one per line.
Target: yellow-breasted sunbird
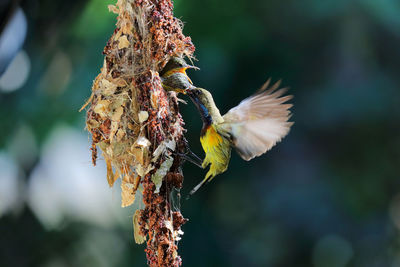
252	128
174	77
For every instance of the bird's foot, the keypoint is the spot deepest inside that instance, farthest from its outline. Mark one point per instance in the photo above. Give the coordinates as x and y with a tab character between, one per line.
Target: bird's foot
187	156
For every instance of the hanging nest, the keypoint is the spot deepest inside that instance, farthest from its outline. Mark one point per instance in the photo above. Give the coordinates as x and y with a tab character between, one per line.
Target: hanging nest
136	123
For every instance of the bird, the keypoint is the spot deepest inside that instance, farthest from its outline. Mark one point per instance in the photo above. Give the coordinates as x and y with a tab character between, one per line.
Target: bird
174	76
253	127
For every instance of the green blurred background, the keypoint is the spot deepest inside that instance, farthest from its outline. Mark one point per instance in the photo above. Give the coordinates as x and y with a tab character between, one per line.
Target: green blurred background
328	195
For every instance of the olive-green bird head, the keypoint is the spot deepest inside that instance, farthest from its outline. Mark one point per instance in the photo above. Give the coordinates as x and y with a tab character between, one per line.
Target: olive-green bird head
205	104
176	64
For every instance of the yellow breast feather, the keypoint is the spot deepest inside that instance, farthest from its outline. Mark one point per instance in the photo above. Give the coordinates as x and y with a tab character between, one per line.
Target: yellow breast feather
178	70
218	152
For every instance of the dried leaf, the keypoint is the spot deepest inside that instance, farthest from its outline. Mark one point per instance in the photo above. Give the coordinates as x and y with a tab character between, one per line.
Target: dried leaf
129	186
92	123
120	82
143	142
110	174
101	108
108	87
116	116
142	171
120	134
140	149
118	148
157	177
127	194
171	144
137	152
136	182
143	116
117	103
139	239
123	42
127	29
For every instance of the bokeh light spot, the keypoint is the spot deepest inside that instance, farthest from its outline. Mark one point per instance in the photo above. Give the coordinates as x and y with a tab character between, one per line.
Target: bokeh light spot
57	75
332	251
9	184
64	185
16	74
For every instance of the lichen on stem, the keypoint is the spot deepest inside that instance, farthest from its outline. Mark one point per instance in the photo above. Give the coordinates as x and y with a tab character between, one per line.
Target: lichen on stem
136	123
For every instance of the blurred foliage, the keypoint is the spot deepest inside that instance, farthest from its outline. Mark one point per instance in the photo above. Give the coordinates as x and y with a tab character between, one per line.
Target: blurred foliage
326	196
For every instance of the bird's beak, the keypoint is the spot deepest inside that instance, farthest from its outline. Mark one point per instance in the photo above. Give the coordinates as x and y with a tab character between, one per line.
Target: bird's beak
191	67
182	91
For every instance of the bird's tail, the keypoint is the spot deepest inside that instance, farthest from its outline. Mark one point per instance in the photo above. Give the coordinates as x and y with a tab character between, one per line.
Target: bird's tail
198	186
208	178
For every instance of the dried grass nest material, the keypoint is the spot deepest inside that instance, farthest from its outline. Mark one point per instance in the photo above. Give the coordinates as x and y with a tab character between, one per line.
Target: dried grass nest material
127	102
136	124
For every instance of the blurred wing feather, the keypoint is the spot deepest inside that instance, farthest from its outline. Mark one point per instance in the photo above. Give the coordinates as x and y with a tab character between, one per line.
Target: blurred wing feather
259	121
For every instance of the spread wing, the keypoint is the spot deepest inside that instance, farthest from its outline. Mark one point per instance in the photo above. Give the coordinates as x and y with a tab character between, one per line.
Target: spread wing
259	121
